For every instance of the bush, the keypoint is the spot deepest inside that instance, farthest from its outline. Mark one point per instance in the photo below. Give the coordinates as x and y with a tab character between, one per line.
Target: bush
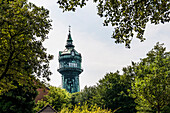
86	109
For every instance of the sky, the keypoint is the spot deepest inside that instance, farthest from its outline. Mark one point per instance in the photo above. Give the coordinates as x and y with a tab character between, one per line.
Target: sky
100	55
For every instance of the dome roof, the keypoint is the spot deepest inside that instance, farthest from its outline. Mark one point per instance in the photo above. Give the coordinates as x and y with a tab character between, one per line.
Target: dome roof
69	51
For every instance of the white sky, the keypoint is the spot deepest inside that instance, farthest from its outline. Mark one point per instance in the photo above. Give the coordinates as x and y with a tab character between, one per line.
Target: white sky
100	55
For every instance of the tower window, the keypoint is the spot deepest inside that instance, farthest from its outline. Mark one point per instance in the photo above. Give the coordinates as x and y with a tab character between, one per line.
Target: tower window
72	64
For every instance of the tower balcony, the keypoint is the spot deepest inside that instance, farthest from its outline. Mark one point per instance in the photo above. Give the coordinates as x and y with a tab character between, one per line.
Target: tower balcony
73	69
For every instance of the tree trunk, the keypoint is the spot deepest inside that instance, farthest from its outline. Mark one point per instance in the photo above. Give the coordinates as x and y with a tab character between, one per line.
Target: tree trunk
158	108
7	66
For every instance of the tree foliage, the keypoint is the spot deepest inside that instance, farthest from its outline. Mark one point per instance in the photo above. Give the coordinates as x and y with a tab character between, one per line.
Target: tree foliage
147	80
127	17
23	28
56	97
86	109
112	93
19	100
88	94
151	85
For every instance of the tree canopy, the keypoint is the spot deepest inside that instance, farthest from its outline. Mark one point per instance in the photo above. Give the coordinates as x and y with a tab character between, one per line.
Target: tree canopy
152	81
56	97
20	99
112	93
127	17
23	29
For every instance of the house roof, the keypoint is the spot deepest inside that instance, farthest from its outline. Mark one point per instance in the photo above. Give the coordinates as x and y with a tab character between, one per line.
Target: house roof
47	109
41	93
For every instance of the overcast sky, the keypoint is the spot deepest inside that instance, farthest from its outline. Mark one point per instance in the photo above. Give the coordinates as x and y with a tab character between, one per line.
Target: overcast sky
100	55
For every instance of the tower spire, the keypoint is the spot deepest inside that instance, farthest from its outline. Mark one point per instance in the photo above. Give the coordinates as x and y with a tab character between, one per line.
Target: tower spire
69	40
69	29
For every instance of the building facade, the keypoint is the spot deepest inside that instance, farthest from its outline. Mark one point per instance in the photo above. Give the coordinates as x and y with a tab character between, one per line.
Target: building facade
70	66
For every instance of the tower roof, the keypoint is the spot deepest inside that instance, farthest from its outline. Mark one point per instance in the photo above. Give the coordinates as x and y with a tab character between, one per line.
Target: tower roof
69	44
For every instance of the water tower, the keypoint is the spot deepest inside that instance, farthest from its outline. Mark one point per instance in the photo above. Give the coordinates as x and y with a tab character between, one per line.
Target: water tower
70	66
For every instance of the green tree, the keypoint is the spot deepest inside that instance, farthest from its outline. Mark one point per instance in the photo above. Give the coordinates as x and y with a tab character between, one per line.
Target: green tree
88	94
56	97
126	16
112	93
19	100
166	109
151	85
86	109
23	28
76	98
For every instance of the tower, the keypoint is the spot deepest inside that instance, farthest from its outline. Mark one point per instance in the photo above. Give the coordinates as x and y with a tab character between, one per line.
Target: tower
70	66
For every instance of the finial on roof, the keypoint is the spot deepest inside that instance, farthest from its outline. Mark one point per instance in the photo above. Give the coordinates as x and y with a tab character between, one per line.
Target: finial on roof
69	28
69	35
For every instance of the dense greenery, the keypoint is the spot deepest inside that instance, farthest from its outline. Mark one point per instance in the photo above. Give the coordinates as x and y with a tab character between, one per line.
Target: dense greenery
56	97
23	28
110	92
143	87
65	102
126	16
23	59
86	109
19	100
151	85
